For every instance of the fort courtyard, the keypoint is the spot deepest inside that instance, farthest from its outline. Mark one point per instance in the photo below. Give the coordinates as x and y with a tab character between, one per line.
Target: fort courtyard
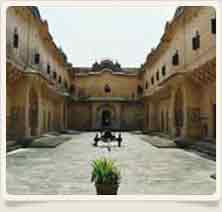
145	169
167	102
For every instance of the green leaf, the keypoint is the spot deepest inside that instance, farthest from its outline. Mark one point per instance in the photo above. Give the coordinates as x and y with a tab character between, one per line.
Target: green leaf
105	172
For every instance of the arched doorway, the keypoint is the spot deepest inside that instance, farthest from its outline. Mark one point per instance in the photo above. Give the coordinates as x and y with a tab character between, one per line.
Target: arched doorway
214	120
167	121
148	116
178	111
33	112
106	118
49	121
162	121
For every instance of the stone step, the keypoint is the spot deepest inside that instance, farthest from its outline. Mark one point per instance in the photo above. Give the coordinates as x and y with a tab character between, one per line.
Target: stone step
49	142
159	142
12	145
202	146
10	142
205	147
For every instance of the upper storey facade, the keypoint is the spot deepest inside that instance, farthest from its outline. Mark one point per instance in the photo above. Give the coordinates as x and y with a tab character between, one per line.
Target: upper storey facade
189	41
31	47
107	80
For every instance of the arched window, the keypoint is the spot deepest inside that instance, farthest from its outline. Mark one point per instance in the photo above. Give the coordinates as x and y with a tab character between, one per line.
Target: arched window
48	69
213	25
15	39
139	90
157	75
107	89
164	70
60	80
196	41
66	84
37	58
54	75
146	85
175	60
152	80
72	89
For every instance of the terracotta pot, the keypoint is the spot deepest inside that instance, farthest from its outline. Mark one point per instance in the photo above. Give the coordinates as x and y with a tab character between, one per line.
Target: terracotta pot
106	189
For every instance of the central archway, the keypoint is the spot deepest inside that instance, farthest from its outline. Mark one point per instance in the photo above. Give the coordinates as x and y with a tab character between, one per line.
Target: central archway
106	118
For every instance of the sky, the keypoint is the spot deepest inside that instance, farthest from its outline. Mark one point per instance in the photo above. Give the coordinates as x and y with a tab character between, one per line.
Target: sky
89	34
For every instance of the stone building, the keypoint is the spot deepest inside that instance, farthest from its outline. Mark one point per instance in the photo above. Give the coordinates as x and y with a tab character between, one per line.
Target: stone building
174	91
106	92
37	76
180	76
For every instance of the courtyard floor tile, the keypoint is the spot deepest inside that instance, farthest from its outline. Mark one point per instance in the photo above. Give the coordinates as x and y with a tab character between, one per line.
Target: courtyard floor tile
145	169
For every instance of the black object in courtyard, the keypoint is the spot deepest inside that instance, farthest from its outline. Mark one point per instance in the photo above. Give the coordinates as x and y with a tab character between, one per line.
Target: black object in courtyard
107	136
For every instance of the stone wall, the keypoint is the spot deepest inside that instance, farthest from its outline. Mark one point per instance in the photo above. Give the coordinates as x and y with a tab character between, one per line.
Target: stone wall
134	99
195	75
121	85
33	38
88	116
80	117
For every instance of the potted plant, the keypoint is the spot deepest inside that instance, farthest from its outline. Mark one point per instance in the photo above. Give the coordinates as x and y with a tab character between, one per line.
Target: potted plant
106	176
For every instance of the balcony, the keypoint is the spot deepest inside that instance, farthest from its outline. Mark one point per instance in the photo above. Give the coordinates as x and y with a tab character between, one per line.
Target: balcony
90	98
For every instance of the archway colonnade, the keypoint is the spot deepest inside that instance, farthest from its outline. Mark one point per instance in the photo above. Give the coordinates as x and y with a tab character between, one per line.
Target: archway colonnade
37	110
184	109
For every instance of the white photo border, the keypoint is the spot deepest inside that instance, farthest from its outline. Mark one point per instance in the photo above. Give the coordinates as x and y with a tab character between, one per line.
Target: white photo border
9	197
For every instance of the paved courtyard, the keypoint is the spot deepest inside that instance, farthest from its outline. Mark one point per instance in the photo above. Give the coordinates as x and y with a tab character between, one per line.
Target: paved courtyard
145	169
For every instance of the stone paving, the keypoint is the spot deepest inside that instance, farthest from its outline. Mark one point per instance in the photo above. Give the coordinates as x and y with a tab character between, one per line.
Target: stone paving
159	141
145	169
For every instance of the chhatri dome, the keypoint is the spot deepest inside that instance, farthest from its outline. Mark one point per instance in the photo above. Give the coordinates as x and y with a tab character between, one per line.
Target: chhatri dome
106	63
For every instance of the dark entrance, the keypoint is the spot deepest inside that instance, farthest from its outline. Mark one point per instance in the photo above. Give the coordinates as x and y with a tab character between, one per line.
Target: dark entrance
214	120
167	122
33	112
106	118
178	112
162	121
148	118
